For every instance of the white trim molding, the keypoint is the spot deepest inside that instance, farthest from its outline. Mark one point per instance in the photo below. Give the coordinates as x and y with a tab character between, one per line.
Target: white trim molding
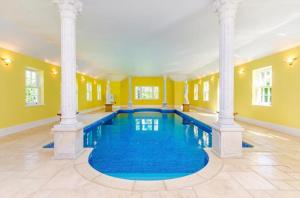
269	125
29	125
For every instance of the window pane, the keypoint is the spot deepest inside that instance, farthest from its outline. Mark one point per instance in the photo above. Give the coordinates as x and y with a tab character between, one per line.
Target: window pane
146	93
32	86
262	86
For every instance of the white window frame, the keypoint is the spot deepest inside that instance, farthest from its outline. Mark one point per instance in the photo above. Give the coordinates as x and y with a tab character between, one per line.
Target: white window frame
37	83
89	91
262	86
154	96
196	91
99	92
206	91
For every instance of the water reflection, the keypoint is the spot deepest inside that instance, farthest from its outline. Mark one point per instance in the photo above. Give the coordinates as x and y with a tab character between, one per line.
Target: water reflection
146	124
91	138
196	136
128	127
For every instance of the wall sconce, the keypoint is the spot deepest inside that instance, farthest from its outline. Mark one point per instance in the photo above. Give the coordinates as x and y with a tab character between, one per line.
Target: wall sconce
241	71
54	71
290	60
6	61
82	78
212	78
95	82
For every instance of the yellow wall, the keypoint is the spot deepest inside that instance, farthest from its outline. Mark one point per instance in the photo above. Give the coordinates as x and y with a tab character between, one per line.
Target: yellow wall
170	92
212	104
146	81
124	92
83	104
13	110
285	107
178	92
115	90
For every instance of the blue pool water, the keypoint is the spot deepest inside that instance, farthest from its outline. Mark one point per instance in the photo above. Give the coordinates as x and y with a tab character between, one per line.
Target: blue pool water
148	146
151	145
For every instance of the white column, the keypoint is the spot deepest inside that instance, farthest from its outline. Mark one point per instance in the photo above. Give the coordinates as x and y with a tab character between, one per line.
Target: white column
165	92
68	135
227	135
129	92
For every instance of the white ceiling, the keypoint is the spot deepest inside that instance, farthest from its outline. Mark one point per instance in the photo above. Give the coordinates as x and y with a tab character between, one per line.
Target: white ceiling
116	38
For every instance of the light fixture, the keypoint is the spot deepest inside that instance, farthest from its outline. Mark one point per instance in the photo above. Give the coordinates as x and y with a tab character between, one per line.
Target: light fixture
241	71
6	61
95	82
290	60
82	78
212	78
54	71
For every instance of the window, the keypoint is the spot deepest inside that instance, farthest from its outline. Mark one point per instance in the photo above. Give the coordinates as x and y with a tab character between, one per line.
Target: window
89	91
262	86
196	92
33	87
98	92
147	93
206	91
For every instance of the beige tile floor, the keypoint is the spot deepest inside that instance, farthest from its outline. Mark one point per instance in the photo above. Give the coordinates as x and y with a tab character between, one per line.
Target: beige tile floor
270	169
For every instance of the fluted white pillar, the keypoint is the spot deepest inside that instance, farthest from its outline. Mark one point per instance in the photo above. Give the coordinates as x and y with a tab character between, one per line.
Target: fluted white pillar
165	91
227	135
129	92
68	139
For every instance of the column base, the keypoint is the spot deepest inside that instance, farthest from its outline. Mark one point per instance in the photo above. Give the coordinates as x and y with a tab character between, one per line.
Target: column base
129	105
164	105
68	141
227	140
186	107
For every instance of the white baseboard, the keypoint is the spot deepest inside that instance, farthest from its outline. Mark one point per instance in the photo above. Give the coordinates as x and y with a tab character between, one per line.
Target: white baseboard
141	106
30	125
203	109
269	125
25	126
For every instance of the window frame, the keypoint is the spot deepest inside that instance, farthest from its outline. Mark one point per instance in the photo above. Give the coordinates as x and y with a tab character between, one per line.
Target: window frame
206	91
196	91
153	93
89	91
259	84
99	92
39	86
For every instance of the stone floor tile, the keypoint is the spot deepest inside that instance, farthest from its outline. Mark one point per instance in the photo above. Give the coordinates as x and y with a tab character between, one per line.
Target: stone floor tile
251	180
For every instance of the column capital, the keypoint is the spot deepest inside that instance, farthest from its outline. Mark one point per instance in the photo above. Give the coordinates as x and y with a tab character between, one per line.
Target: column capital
69	8
226	8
